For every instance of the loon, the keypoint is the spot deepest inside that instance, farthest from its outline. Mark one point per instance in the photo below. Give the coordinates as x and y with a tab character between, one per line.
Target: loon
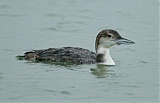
76	55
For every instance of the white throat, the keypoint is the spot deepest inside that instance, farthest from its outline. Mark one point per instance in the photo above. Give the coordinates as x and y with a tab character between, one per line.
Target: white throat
105	58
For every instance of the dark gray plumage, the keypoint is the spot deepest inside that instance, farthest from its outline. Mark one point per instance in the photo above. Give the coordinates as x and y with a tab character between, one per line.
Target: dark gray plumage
73	55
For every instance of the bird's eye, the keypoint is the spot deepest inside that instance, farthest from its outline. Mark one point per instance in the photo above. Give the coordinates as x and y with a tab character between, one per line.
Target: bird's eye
109	36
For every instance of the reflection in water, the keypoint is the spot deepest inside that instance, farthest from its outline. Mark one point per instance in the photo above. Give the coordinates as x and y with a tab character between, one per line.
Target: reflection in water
101	71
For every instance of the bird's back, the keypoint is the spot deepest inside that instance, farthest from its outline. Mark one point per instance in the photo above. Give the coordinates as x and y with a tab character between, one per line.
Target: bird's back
72	55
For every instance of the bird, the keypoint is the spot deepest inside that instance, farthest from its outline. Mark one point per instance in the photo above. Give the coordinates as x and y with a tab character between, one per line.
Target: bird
76	55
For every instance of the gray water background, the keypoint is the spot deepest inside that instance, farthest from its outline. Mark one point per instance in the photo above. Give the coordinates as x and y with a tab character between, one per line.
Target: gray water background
40	24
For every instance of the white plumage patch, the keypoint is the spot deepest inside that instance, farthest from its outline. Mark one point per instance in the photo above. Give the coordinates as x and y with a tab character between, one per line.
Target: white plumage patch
107	60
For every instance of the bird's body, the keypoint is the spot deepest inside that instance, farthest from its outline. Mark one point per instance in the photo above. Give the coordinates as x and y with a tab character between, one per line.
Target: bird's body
70	55
75	55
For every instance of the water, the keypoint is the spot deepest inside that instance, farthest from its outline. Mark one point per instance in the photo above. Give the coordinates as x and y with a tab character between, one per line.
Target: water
27	25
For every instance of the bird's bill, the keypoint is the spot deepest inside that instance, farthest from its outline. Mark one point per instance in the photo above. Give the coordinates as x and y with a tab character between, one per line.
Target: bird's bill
124	41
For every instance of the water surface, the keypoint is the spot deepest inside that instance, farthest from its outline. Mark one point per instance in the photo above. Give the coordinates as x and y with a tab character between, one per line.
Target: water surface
27	25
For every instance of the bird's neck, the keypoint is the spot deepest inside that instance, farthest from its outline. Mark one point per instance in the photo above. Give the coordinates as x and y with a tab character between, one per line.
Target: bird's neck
103	56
